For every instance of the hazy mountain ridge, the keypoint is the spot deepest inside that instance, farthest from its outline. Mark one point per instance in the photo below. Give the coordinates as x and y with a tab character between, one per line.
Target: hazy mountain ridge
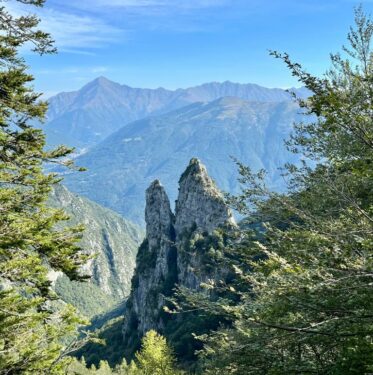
83	118
113	239
121	167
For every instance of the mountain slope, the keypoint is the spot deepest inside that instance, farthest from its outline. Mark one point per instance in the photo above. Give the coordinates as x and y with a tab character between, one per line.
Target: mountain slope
121	167
85	117
114	240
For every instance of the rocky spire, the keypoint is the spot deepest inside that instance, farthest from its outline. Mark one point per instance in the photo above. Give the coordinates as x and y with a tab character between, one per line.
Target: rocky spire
155	263
158	216
200	203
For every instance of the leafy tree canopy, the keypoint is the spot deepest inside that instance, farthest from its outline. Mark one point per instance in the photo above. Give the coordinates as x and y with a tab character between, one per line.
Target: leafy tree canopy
304	280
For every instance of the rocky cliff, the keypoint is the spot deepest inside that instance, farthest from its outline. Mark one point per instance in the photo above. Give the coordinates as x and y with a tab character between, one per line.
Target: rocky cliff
179	249
112	239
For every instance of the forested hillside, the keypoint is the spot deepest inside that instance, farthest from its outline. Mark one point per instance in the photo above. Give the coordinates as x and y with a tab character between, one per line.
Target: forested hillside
112	240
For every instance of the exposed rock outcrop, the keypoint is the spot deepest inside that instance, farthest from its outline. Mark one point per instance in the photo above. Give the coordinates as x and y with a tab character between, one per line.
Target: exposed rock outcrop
158	215
177	250
200	203
154	261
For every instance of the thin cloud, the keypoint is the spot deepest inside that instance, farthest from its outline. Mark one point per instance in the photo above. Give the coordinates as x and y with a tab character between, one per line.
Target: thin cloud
102	20
77	51
73	32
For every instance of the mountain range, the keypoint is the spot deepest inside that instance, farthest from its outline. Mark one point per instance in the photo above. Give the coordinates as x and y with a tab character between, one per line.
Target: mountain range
85	117
122	166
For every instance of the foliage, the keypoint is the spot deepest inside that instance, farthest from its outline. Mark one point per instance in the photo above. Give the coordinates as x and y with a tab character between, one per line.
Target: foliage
181	327
145	259
304	284
111	239
87	298
30	324
112	352
79	367
154	358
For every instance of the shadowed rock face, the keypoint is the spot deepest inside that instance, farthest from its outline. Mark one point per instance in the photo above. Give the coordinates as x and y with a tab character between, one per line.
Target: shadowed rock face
154	259
162	262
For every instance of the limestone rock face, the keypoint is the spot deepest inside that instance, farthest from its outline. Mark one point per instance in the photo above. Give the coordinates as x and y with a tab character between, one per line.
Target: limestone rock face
166	259
200	203
158	215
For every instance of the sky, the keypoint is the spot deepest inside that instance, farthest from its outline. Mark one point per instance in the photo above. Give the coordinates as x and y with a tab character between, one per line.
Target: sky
182	43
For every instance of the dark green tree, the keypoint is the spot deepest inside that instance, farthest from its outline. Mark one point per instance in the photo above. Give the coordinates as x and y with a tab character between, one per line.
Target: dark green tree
31	323
303	264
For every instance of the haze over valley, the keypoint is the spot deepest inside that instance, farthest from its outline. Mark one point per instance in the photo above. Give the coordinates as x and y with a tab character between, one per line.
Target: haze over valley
216	122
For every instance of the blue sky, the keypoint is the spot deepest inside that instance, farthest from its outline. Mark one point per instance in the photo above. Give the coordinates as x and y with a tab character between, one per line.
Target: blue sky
181	43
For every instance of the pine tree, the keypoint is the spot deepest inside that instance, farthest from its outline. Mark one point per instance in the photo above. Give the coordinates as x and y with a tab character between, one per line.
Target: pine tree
31	325
155	356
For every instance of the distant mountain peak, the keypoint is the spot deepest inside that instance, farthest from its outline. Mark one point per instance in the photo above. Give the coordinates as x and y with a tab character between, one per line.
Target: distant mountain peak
103	79
101	82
